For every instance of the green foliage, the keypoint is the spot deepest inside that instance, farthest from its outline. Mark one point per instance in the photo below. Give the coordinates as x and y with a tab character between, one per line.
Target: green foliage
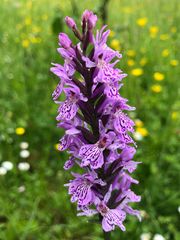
41	208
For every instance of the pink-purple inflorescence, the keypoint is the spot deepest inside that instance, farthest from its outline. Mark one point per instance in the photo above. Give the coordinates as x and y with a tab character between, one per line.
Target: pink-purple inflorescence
96	126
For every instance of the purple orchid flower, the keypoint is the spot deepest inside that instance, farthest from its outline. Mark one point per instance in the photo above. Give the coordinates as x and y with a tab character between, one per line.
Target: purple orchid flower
92	154
110	217
69	108
81	187
97	127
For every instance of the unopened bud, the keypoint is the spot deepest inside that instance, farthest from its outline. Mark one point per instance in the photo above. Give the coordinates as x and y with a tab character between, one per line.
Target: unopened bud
70	22
64	40
90	18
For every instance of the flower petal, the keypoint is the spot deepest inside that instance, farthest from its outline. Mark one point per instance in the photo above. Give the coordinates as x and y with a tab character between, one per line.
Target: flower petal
119	217
67	110
83	194
122	123
69	163
107	224
92	155
64	143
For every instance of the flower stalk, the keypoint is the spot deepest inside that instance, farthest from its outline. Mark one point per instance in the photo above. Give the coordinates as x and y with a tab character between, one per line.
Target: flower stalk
107	235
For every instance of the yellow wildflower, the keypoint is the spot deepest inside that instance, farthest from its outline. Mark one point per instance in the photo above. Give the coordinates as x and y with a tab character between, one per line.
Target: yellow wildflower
115	44
111	34
142	21
44	17
153	31
156	88
56	146
28	21
36	29
20	131
138	123
130	62
164	37
174	115
174	62
34	39
142	131
165	53
174	29
158	76
25	43
131	53
143	61
137	72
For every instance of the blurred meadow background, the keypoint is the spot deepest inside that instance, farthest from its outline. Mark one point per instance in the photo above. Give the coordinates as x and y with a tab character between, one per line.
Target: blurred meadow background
34	203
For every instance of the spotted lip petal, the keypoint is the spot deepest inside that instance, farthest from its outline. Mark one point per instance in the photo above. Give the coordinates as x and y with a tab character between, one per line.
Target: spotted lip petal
122	123
57	91
112	92
112	218
81	188
67	110
91	155
82	194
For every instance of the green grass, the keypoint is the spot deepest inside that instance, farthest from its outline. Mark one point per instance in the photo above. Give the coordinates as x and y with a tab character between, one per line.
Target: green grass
28	45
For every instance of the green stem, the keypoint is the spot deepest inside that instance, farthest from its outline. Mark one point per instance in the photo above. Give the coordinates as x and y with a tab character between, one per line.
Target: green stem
104	11
107	235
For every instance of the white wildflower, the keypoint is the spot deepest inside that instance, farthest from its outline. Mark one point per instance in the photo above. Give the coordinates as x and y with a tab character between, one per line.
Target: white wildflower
137	136
7	165
24	153
158	237
21	188
143	213
3	171
179	209
23	166
145	236
24	145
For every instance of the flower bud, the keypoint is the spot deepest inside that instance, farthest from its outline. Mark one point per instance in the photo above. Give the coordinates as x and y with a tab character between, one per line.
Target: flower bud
70	22
86	14
90	18
64	40
92	21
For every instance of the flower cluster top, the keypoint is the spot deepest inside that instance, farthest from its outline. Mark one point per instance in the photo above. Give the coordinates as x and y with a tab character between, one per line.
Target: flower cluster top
97	127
